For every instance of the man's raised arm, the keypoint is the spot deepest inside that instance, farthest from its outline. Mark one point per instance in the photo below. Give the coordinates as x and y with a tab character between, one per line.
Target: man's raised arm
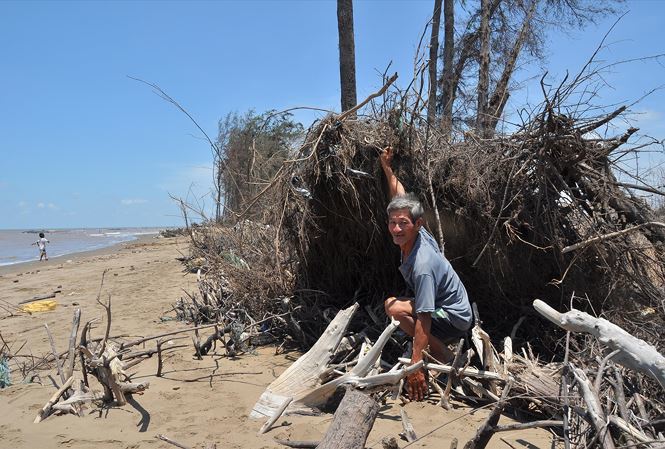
394	186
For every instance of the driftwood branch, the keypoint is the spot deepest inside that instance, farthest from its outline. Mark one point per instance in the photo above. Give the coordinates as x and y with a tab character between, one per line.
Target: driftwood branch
630	430
55	354
166	334
611	235
170	441
44	412
452	375
528	425
275	416
71	358
37	298
594	408
357	375
305	373
380	92
407	427
297	443
468	372
633	353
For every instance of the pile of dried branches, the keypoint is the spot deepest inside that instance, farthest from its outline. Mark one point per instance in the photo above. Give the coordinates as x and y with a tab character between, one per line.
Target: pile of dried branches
594	397
104	361
242	283
538	213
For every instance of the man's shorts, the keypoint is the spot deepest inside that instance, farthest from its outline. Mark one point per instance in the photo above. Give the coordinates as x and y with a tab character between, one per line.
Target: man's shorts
444	330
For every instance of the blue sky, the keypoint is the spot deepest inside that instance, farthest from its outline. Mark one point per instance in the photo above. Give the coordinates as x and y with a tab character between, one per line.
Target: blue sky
82	145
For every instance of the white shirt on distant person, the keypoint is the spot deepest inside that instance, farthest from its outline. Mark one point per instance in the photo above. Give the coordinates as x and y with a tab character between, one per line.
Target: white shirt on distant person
41	243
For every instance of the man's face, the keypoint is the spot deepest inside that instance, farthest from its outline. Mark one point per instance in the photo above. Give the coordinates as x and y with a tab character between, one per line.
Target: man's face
402	228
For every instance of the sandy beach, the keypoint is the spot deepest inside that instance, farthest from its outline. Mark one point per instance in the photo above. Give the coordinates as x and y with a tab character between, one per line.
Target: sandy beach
196	401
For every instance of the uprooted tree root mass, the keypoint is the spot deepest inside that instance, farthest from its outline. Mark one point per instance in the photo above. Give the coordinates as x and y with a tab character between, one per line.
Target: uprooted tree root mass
509	209
538	213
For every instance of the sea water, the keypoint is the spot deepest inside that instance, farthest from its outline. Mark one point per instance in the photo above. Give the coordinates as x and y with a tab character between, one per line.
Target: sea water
16	245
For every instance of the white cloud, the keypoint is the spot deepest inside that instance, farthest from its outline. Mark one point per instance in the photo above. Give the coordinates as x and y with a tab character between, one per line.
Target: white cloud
52	206
24	208
130	201
41	205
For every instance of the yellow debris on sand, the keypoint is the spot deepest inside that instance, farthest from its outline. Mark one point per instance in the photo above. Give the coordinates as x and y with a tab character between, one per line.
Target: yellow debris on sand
40	306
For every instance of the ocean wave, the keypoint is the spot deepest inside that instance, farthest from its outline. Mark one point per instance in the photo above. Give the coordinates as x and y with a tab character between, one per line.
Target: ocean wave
16	246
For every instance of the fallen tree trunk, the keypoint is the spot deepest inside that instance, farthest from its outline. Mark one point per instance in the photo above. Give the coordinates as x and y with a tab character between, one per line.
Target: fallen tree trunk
633	352
352	422
486	430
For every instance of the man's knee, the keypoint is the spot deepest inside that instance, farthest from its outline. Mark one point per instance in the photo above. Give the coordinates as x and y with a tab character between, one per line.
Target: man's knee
389	306
398	308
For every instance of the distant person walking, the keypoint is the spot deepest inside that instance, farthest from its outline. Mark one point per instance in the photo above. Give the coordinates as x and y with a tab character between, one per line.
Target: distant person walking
41	244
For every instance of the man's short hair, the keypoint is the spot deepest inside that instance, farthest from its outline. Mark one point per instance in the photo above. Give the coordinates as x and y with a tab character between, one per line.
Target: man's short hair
408	201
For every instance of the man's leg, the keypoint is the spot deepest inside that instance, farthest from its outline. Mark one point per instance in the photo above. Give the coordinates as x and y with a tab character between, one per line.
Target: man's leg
402	310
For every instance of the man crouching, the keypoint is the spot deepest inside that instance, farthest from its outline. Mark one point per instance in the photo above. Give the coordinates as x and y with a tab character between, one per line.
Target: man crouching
440	309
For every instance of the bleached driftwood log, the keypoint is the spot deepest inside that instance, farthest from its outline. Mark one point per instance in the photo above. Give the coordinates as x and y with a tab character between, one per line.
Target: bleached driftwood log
109	371
352	422
468	372
407	428
358	374
302	380
46	410
76	402
633	352
305	373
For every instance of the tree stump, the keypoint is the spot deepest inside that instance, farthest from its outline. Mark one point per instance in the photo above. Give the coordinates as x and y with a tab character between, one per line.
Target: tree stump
352	422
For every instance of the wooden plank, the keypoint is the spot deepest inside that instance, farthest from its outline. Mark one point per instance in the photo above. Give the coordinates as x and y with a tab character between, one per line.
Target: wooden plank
304	373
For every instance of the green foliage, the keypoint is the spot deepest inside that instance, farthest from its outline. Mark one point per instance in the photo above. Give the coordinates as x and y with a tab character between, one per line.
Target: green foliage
252	149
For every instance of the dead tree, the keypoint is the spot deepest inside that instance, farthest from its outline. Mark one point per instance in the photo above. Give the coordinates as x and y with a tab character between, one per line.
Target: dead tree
500	96
433	58
484	67
447	94
347	54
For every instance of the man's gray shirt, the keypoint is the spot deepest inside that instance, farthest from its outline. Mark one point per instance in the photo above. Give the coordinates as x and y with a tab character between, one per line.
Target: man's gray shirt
435	283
